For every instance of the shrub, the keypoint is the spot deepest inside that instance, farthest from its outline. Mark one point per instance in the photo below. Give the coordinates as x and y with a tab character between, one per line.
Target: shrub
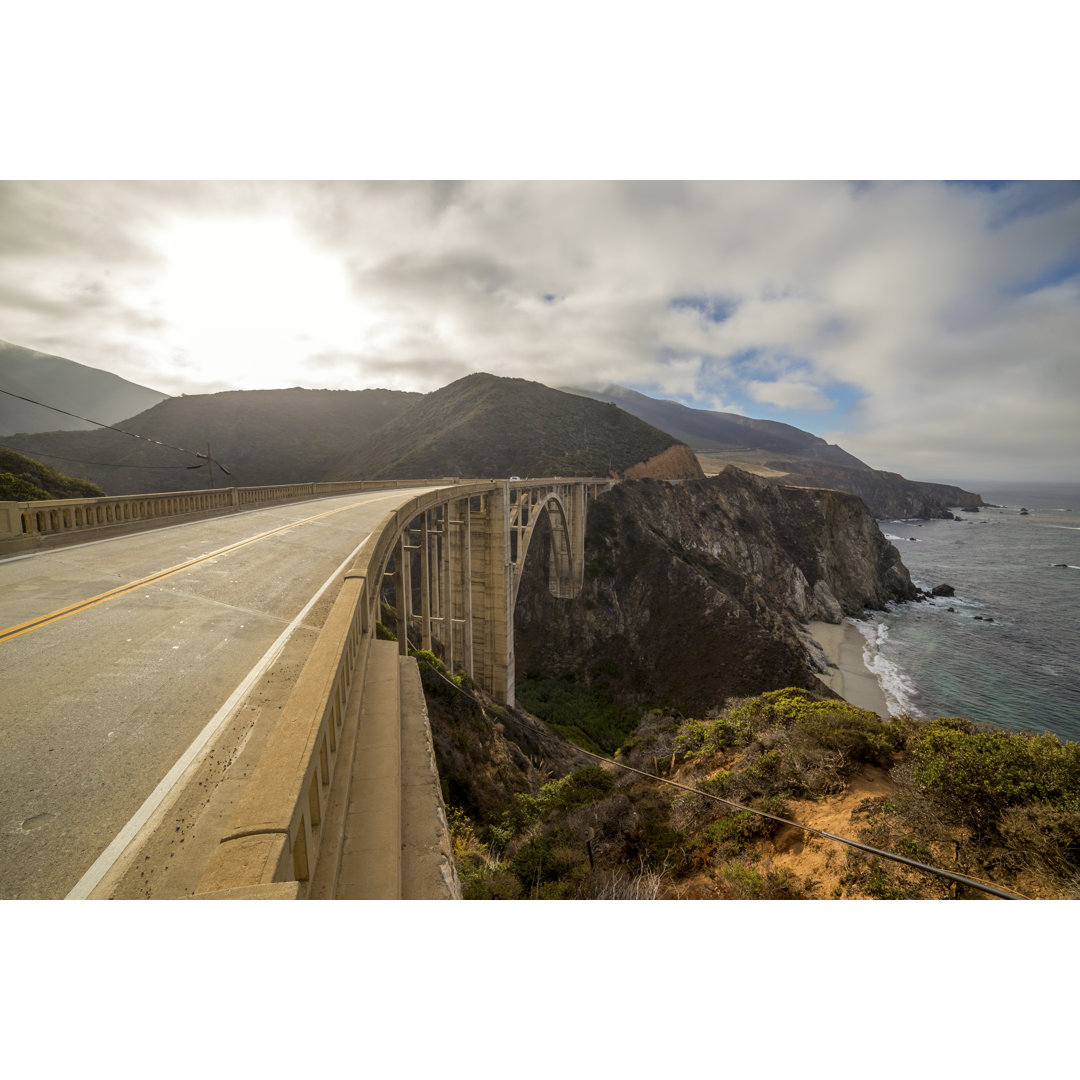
740	882
438	679
1041	838
697	737
492	884
17	489
882	887
546	859
731	834
977	775
584	714
556	797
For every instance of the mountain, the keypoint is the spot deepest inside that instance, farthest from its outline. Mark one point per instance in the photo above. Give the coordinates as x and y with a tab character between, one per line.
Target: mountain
485	425
788	454
76	388
481	425
705	430
260	436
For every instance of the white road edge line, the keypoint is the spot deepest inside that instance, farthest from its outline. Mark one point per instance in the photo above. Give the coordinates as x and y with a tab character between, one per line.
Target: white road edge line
105	861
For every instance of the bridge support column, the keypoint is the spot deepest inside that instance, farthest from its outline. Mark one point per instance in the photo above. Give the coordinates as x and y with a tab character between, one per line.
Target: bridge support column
426	584
403	590
492	593
458	590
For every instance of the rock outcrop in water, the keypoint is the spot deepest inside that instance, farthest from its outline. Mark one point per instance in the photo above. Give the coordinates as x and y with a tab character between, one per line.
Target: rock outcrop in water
695	591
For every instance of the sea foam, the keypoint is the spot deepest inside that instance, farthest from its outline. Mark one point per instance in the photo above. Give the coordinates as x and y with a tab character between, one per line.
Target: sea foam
900	692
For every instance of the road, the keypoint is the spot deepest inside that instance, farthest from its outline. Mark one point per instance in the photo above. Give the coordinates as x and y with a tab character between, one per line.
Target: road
118	656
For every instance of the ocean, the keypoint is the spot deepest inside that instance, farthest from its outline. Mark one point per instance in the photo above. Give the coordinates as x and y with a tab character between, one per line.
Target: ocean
1004	648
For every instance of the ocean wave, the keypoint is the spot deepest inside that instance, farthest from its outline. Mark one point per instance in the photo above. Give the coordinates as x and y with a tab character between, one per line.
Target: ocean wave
900	692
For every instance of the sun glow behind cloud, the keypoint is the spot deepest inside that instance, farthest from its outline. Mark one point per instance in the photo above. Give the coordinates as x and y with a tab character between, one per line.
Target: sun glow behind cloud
247	301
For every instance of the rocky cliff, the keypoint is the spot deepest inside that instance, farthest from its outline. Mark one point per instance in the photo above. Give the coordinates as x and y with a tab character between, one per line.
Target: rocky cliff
886	494
695	591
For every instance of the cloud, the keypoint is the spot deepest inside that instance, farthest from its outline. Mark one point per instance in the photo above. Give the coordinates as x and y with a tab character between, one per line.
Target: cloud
950	312
789	395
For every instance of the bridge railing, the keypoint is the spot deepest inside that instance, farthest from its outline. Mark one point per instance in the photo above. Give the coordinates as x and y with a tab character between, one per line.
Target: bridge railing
33	523
277	830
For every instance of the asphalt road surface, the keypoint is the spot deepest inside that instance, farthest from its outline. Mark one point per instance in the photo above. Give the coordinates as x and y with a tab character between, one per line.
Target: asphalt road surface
116	655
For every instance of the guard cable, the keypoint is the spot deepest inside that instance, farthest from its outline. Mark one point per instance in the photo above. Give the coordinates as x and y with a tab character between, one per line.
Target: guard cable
960	879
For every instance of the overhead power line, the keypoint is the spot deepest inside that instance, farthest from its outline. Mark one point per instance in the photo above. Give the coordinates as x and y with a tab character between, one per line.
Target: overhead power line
122	431
102	464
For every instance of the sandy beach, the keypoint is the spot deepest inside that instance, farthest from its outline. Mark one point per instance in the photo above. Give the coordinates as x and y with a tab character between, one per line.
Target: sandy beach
842	645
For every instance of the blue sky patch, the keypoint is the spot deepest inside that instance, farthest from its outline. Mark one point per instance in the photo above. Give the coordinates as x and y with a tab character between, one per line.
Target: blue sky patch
715	308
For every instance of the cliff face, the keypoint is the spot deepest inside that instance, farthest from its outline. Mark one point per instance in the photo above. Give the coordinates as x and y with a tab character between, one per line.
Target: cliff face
694	591
887	494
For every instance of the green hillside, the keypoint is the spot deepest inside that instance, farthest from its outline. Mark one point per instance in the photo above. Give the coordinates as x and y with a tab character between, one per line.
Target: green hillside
261	437
481	425
484	425
22	479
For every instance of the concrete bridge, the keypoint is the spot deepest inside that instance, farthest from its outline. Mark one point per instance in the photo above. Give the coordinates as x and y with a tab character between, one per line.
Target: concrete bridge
344	801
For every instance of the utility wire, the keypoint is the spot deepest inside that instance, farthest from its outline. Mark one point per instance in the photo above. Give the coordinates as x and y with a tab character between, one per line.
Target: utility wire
103	464
925	867
132	434
110	427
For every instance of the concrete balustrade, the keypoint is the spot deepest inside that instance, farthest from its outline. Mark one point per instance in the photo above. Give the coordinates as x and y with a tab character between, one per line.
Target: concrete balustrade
28	525
452	549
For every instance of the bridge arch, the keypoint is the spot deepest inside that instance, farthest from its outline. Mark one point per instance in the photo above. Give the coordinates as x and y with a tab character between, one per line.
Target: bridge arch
566	550
454	560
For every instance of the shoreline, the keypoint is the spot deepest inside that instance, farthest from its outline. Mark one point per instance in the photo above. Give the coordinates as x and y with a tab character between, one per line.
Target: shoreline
841	645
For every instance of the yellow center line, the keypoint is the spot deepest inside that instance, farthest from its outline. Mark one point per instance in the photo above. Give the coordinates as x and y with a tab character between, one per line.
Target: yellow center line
121	590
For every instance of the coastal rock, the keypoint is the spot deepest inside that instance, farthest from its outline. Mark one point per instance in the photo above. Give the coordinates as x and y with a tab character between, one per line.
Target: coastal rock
942	590
695	592
888	495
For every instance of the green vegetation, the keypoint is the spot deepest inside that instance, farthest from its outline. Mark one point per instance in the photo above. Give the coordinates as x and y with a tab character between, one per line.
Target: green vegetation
989	804
544	858
483	425
737	881
437	678
261	436
583	712
18	489
979	775
23	479
791	743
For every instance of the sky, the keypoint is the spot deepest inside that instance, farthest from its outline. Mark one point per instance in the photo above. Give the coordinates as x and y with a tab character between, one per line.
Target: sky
929	328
